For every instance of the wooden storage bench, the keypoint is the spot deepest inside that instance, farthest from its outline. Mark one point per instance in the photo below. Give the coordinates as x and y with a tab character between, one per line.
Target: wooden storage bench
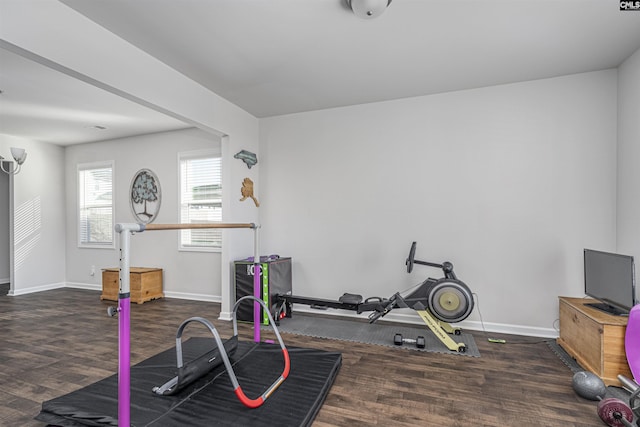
594	338
145	284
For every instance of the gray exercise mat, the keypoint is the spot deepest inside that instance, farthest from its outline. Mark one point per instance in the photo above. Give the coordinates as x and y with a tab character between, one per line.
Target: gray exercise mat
379	333
612	391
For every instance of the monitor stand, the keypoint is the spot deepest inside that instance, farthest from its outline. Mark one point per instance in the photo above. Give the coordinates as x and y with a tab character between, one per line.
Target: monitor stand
614	311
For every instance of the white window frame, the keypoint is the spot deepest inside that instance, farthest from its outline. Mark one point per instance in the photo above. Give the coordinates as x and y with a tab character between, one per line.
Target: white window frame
191	155
89	166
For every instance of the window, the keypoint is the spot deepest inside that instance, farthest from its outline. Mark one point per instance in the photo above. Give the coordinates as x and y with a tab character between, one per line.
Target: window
201	199
95	204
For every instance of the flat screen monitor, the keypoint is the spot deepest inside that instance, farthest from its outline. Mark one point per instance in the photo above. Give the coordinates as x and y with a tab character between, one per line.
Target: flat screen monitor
610	278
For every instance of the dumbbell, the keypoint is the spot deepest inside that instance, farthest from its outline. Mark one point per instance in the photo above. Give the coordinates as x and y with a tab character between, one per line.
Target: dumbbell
419	341
614	412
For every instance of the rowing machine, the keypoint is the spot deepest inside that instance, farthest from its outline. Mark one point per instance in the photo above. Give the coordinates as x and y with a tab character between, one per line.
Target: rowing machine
438	302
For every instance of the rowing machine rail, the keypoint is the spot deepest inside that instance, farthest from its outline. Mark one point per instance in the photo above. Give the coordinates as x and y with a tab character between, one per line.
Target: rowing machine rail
438	302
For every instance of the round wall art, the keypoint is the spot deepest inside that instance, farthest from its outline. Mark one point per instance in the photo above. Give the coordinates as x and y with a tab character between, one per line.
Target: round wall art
145	196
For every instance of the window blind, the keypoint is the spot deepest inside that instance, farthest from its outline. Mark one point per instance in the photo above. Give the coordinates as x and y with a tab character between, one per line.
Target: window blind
95	205
201	199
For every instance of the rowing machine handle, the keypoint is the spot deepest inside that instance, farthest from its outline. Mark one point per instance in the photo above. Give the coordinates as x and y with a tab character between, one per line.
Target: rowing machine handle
382	310
374	316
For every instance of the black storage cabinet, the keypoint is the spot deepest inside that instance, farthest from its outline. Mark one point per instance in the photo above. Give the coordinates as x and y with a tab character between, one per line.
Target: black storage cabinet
275	279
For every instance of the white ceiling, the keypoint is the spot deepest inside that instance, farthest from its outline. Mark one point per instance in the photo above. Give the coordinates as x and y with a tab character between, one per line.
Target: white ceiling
274	57
42	104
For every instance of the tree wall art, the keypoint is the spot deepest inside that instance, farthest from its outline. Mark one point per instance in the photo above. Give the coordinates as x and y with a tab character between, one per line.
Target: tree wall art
145	196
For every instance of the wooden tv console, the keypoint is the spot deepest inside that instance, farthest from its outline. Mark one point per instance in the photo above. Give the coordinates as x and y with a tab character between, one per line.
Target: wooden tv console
595	339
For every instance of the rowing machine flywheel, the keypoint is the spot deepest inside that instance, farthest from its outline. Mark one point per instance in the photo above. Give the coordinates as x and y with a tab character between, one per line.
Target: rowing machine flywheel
450	300
612	411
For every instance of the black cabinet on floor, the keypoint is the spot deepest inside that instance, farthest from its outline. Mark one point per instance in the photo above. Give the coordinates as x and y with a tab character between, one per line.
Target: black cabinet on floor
275	278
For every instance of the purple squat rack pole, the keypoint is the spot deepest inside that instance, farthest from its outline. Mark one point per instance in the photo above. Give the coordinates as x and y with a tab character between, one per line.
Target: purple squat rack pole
124	325
256	286
124	362
124	303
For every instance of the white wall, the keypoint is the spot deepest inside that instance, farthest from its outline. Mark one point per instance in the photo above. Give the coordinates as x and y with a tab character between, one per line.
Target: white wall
48	30
195	275
509	183
39	227
628	206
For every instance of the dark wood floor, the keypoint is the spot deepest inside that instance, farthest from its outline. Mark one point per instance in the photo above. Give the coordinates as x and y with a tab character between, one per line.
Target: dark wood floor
57	341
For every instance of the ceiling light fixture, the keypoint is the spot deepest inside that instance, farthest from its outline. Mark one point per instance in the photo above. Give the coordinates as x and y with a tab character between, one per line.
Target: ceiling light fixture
368	9
19	155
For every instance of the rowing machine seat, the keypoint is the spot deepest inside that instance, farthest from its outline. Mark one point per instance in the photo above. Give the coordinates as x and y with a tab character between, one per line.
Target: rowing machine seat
348	298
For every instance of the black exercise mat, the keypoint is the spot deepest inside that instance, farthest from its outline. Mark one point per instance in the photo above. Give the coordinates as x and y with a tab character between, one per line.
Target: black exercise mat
571	363
379	333
209	401
574	366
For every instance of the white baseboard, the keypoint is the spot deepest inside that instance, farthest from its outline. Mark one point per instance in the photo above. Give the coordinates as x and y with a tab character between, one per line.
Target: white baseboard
33	289
5	281
226	316
412	318
193	297
177	295
87	286
407	317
